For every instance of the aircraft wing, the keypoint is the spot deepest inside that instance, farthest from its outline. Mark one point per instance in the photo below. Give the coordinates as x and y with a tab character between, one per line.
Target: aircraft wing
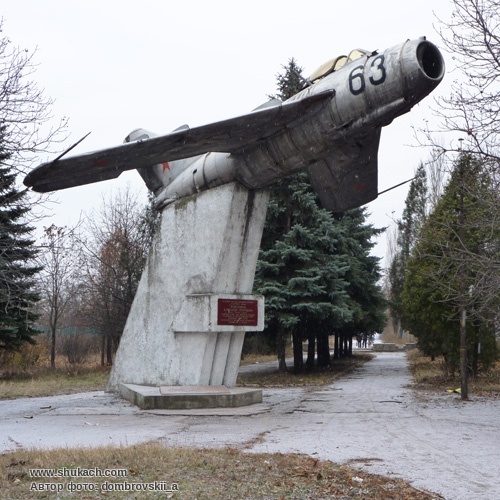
347	178
225	136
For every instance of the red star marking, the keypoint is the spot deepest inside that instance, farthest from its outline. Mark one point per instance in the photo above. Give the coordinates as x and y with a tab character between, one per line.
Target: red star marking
166	166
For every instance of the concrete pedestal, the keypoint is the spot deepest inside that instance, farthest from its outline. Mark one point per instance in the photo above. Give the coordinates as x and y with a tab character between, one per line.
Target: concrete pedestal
188	397
179	331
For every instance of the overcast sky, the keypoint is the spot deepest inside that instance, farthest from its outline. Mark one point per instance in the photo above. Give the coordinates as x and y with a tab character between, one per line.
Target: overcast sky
113	66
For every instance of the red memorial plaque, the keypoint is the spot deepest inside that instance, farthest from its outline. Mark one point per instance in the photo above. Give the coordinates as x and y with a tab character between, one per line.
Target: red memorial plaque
237	312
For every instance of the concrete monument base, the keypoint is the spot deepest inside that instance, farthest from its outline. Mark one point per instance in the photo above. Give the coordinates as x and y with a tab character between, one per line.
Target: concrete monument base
193	305
189	397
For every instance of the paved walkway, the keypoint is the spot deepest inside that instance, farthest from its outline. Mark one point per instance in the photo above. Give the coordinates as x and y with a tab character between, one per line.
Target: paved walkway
370	419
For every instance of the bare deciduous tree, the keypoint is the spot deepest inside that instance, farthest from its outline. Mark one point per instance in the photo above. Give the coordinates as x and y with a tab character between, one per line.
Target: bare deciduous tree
57	279
115	253
472	110
25	132
24	110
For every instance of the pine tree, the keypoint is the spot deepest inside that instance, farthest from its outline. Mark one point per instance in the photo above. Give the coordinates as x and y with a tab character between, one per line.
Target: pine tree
446	271
291	82
414	212
17	284
409	227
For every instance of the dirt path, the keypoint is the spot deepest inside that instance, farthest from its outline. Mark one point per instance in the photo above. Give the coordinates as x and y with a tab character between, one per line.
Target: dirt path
370	419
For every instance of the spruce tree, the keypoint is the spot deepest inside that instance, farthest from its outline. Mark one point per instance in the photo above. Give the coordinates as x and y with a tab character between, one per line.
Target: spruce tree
17	270
301	271
314	268
366	299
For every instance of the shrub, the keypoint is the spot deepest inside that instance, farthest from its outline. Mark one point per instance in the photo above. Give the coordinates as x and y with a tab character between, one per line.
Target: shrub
76	348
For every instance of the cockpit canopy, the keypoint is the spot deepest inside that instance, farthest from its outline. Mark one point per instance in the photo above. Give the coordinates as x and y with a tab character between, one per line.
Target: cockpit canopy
337	63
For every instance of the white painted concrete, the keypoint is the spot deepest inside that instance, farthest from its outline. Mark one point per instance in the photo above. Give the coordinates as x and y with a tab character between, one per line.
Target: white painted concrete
207	244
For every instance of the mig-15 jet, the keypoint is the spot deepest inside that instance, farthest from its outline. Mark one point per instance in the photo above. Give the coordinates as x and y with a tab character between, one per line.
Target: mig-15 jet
331	129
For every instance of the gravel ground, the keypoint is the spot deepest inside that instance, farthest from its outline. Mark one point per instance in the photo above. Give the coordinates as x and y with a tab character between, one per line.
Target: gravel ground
371	419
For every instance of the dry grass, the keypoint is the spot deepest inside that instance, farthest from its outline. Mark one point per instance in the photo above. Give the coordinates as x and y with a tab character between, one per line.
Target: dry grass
250	359
53	383
27	373
432	375
424	370
91	377
198	474
317	377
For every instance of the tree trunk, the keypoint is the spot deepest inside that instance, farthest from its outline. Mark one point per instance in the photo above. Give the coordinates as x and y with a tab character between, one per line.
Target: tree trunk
323	351
474	364
109	348
311	351
53	317
464	392
336	348
298	355
103	346
281	348
53	347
